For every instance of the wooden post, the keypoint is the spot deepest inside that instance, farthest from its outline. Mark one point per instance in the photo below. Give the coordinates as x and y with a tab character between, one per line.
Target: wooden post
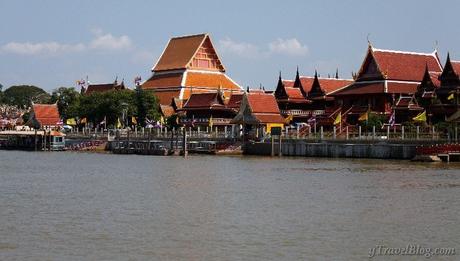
35	139
280	153
388	132
273	145
184	143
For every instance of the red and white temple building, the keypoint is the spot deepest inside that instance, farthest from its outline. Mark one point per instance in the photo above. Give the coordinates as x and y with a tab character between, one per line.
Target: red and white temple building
189	65
386	83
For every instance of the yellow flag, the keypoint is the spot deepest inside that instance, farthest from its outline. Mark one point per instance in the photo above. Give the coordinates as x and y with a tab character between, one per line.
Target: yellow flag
338	120
162	120
364	116
289	118
420	117
210	122
118	123
133	120
451	97
83	121
71	121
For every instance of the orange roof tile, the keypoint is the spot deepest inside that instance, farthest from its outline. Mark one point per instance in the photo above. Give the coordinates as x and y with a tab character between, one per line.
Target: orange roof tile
208	79
179	52
262	103
163	81
235	100
328	85
407	66
46	114
166	97
204	100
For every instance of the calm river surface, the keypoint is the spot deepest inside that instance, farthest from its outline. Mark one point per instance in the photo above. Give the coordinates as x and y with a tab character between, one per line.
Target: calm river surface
79	206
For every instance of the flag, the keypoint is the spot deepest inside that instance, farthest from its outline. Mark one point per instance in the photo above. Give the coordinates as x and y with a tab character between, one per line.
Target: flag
71	122
210	122
162	120
137	80
83	121
60	122
118	123
149	123
312	120
133	120
103	121
364	116
420	117
289	118
392	120
451	97
338	119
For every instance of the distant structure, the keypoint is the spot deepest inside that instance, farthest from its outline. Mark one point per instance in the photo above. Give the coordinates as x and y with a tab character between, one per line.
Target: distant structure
103	87
44	116
189	65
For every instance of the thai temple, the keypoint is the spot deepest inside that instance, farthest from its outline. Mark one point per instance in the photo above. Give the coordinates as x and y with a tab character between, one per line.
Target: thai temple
189	65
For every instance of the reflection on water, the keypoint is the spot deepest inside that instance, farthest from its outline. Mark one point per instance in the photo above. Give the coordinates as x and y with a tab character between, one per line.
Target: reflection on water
77	206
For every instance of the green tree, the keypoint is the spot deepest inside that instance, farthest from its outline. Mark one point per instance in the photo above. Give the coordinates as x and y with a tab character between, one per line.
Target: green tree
373	120
23	95
68	101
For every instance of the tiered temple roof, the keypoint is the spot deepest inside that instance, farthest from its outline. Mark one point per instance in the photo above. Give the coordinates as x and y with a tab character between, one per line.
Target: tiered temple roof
44	115
389	71
189	64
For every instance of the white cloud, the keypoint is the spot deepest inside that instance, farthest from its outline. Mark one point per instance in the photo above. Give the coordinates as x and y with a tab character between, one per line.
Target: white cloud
40	48
239	48
100	42
110	42
288	46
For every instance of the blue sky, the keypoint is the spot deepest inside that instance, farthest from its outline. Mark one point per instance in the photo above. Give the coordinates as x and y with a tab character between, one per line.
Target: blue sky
54	43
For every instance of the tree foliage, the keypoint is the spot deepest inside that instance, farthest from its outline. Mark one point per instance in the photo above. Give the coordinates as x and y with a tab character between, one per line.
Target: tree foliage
23	95
68	101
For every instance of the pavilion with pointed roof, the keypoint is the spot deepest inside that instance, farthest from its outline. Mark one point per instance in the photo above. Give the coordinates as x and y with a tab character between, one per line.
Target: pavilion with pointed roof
44	116
103	87
306	96
384	77
189	64
439	93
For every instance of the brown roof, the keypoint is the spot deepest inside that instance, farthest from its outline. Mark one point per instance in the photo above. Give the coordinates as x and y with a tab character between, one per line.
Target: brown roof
456	66
214	80
362	88
167	110
401	87
204	100
166	97
179	52
46	114
235	100
163	81
104	87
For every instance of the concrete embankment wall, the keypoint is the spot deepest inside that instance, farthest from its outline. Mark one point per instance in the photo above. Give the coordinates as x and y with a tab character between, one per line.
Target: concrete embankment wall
378	150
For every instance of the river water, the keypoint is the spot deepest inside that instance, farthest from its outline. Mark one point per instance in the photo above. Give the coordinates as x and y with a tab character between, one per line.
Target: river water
82	206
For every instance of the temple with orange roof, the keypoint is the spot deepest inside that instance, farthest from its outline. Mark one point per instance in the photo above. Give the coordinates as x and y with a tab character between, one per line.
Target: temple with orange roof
188	65
44	116
258	113
384	84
